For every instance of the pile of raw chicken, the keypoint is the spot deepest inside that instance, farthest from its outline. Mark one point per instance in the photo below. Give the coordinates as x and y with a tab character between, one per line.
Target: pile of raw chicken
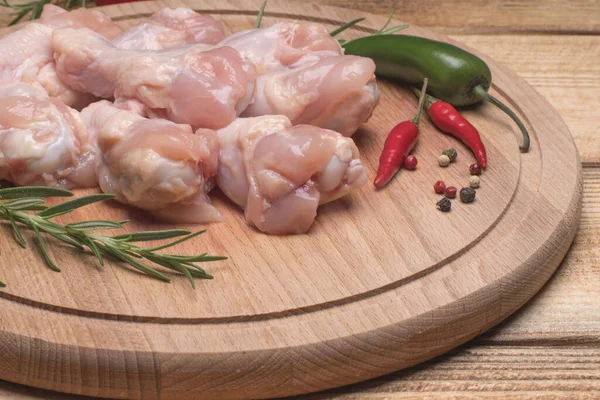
158	114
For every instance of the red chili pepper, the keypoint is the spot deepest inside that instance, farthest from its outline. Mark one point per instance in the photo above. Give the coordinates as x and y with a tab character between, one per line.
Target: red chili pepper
449	121
398	144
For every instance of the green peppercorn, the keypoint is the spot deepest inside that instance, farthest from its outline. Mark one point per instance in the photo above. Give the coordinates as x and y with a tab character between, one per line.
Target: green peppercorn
467	195
451	153
444	205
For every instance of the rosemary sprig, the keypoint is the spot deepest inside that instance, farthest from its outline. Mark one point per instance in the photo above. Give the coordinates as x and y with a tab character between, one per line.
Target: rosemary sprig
380	31
34	8
259	17
17	201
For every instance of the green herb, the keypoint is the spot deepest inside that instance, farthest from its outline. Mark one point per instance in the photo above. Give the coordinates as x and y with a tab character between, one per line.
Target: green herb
381	31
34	8
15	202
259	17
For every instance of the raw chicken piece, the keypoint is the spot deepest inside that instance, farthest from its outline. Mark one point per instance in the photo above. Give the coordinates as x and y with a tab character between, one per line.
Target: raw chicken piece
192	85
337	93
42	141
169	28
155	164
280	174
97	21
26	55
286	44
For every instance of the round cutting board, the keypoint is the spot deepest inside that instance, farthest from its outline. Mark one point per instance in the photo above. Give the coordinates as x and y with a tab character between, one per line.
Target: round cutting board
382	281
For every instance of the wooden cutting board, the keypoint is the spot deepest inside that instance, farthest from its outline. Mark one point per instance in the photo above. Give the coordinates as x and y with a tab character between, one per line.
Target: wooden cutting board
381	282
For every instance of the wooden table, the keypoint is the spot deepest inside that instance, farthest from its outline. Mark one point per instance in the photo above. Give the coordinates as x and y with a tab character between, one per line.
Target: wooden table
550	348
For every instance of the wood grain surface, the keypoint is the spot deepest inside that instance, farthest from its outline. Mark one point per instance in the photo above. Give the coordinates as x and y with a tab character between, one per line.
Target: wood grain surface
551	347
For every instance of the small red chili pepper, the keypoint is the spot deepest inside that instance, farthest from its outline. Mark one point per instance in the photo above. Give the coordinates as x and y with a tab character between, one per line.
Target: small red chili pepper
398	144
448	120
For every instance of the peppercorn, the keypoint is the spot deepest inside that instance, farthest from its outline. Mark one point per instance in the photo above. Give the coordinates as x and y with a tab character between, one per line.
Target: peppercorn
450	192
451	153
475	169
467	195
439	187
444	160
410	162
444	205
474	181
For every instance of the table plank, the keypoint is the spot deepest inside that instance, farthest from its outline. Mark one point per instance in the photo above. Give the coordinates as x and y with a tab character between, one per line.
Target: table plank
485	16
473	16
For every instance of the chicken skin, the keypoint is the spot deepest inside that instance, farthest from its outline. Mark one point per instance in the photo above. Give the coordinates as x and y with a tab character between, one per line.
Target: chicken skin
170	28
281	173
43	141
155	164
196	85
286	44
26	55
337	93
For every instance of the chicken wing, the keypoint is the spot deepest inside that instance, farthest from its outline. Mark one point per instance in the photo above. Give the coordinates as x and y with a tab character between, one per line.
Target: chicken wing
286	44
43	141
337	93
155	164
280	174
26	55
169	28
194	85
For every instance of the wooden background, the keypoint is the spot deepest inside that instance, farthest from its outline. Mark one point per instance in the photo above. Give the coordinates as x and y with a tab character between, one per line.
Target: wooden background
551	348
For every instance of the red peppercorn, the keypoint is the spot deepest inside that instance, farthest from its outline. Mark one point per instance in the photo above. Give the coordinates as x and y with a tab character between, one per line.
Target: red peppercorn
439	187
475	169
450	192
410	162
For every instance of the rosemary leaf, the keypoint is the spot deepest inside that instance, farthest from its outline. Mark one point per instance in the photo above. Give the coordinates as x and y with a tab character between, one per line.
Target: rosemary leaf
16	231
201	273
34	208
392	12
185	258
175	266
24	203
212	258
188	237
135	264
94	248
347	25
152	235
395	29
67	240
44	249
259	17
36	11
71	205
46	226
95	225
19	17
32	191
